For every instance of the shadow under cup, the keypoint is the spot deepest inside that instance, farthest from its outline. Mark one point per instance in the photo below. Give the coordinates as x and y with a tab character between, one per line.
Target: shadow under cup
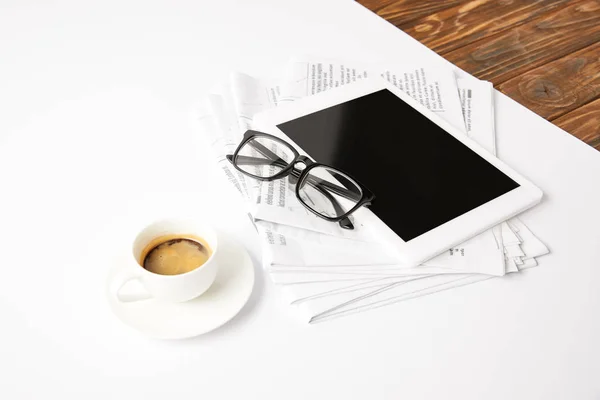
184	286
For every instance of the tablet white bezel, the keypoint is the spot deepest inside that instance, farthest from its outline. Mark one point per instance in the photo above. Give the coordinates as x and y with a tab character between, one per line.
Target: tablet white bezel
446	235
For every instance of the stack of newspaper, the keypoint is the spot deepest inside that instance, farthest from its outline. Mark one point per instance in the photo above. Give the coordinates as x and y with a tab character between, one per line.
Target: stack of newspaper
325	271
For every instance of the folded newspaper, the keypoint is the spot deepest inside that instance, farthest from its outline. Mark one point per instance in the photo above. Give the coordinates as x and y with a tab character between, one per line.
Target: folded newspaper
325	271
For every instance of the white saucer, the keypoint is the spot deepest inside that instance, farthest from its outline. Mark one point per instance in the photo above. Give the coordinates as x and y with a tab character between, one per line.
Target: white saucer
220	303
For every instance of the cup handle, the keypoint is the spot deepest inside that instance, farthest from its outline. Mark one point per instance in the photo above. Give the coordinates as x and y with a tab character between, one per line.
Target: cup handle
126	278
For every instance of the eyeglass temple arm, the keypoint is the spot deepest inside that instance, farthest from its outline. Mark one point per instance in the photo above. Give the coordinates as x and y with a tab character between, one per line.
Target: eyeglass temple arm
340	191
344	223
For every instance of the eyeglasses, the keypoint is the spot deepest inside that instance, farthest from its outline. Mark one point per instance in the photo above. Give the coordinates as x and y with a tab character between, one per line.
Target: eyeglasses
324	190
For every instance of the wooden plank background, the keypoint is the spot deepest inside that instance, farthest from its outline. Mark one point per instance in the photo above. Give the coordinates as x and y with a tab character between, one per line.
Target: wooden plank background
545	54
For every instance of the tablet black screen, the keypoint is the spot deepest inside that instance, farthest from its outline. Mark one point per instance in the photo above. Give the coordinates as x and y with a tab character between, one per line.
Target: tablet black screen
421	175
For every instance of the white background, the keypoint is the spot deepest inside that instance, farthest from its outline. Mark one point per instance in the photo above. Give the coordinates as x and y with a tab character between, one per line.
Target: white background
96	138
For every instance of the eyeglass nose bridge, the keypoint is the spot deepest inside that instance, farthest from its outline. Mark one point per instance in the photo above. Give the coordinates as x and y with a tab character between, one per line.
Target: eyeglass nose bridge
304	161
300	164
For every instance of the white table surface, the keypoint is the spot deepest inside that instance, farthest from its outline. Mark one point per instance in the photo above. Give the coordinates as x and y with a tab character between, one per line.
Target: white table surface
95	137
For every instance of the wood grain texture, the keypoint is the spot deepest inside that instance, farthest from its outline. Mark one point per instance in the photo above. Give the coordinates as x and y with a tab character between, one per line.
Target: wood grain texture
513	52
545	54
400	12
561	86
458	26
376	5
584	123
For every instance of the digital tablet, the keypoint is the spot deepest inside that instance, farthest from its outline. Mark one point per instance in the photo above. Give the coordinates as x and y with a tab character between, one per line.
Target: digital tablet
434	187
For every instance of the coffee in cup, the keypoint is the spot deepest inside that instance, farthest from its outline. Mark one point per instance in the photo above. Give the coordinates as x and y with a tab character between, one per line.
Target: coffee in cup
175	260
175	254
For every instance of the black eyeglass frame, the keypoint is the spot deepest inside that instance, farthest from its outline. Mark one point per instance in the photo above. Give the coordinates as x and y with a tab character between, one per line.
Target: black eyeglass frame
366	198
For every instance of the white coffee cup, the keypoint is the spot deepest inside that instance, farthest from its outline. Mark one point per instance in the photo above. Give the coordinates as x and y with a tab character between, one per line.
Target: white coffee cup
170	288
